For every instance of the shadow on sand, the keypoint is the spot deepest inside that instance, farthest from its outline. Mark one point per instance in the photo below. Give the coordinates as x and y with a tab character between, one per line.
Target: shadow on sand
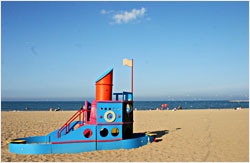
161	133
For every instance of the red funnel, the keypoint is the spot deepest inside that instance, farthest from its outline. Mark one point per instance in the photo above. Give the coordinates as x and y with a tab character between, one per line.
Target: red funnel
104	86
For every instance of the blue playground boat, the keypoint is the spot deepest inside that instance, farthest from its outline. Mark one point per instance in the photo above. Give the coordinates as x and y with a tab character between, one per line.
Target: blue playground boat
102	124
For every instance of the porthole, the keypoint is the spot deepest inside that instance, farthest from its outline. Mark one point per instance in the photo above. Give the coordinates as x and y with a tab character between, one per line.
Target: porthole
87	133
129	108
115	131
104	132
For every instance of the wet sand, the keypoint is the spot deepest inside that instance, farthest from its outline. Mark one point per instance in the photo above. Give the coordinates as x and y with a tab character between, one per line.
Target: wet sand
185	135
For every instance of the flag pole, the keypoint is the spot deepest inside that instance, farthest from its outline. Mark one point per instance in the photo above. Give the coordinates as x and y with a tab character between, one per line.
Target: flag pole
132	78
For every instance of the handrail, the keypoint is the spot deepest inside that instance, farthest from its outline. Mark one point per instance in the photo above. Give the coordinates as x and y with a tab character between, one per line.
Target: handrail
125	96
66	125
70	119
73	116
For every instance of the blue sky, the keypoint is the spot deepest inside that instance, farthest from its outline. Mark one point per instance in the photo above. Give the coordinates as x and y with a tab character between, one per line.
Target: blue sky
181	50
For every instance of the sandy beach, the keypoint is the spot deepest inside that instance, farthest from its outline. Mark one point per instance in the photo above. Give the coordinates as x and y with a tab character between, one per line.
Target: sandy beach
186	135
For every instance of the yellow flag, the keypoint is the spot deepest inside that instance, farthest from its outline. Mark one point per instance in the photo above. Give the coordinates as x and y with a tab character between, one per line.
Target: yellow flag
127	62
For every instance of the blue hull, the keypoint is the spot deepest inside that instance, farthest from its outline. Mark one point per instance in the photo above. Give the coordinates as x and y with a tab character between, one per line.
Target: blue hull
48	148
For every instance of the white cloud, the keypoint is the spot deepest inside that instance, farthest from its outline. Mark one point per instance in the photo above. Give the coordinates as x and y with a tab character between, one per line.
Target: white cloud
126	16
121	17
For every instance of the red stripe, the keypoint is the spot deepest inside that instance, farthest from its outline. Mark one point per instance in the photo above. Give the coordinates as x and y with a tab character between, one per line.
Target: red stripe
114	101
110	101
80	141
114	123
108	140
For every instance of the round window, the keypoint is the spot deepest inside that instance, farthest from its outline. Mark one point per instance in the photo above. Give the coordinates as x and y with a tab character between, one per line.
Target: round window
104	132
87	133
115	131
129	108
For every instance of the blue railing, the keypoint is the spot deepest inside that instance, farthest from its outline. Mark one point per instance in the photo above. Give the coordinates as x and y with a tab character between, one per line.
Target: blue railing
126	96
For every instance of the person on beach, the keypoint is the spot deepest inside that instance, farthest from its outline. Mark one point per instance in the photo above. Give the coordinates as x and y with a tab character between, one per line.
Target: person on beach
58	109
238	108
179	108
